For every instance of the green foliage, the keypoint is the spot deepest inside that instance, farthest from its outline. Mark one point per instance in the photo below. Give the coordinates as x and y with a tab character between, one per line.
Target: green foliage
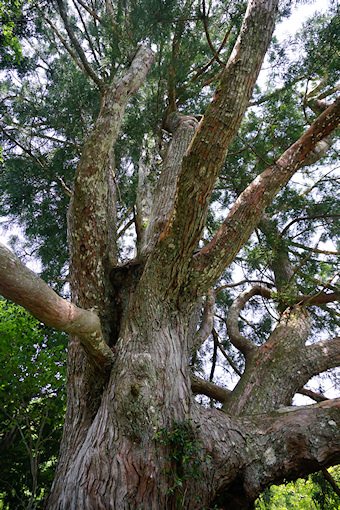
312	493
323	494
12	24
289	496
32	375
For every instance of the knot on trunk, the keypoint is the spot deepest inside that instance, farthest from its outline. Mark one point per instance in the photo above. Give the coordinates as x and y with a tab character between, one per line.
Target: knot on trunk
175	119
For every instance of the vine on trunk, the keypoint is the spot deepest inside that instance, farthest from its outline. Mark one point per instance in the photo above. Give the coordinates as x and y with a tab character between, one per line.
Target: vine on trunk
185	458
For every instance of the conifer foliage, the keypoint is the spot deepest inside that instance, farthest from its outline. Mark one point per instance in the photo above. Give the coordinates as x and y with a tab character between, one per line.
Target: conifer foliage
184	208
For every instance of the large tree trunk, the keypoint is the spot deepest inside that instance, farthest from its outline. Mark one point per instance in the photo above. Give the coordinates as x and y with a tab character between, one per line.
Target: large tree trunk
134	436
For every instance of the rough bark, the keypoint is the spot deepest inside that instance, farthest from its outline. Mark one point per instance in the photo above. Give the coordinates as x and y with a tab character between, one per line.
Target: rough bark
118	447
207	151
91	232
183	129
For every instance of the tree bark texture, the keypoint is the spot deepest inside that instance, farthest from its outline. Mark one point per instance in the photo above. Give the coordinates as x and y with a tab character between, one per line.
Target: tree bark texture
134	436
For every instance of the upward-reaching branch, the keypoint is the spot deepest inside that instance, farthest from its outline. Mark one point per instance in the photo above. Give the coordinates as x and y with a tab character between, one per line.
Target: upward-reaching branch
92	213
207	152
88	68
247	211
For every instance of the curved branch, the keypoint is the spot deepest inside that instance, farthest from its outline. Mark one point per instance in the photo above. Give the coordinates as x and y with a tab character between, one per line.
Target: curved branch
207	321
24	287
208	64
214	52
242	282
307	218
242	343
203	387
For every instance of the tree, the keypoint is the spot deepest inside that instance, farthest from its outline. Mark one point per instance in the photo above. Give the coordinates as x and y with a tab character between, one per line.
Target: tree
123	121
32	366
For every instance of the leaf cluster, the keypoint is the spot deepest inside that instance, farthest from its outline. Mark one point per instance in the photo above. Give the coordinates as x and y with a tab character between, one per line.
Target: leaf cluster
32	375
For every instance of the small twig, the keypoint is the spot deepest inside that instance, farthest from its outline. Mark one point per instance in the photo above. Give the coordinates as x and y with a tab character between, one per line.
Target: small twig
125	228
205	23
231	285
228	358
206	66
306	218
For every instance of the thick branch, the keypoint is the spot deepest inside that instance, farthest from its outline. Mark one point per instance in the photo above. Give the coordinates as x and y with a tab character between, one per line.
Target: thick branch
24	287
92	229
276	370
247	211
211	390
299	441
183	129
324	355
145	189
322	298
207	152
250	453
239	341
201	386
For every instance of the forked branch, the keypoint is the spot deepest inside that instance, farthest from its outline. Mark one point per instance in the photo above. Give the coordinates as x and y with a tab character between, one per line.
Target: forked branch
249	208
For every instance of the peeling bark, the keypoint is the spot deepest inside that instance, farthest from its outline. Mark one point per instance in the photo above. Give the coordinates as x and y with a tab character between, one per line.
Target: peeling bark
24	287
